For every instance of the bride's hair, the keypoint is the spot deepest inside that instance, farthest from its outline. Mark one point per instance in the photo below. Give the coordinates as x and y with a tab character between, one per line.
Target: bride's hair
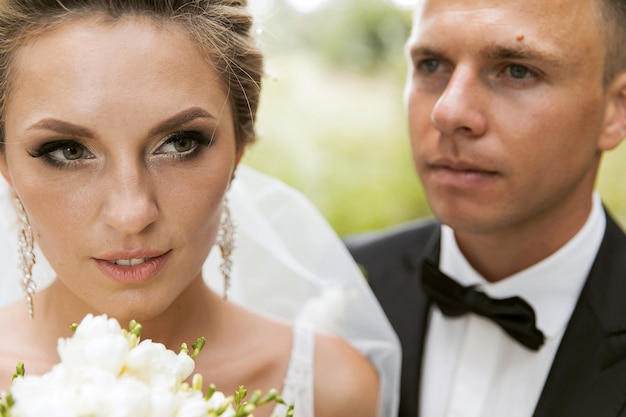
222	29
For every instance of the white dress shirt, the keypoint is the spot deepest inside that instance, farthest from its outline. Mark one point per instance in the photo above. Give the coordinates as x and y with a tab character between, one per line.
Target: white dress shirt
471	367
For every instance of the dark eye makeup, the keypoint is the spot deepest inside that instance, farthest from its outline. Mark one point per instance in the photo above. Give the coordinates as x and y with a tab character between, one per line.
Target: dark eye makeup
62	153
68	153
184	144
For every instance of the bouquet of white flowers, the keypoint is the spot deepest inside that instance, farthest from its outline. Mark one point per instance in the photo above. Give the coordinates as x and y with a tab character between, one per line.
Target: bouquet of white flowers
107	371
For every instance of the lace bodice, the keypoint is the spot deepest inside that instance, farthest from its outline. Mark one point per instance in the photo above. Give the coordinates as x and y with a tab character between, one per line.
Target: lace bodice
298	387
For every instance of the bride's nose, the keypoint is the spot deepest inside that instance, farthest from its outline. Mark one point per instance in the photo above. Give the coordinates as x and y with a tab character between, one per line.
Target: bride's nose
130	204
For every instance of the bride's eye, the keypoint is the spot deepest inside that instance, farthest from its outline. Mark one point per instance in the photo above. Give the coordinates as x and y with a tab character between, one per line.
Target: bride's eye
183	144
71	153
62	153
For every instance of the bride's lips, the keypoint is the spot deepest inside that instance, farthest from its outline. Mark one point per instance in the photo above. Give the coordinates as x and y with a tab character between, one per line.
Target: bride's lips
132	267
460	174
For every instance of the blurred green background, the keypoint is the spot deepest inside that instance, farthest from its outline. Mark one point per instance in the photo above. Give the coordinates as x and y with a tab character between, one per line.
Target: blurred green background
332	123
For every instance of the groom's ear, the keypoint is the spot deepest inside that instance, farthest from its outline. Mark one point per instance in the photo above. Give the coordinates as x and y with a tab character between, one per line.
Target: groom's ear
615	116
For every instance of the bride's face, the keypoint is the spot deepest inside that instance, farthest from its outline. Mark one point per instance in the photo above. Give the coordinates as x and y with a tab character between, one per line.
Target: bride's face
120	145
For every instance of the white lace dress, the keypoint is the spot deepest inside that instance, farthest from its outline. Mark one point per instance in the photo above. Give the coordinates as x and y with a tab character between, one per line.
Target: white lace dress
298	387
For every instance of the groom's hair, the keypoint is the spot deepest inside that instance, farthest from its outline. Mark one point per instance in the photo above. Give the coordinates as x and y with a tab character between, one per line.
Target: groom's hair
222	29
613	22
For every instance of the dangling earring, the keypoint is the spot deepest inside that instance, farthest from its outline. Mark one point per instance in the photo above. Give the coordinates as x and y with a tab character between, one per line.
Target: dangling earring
226	241
25	247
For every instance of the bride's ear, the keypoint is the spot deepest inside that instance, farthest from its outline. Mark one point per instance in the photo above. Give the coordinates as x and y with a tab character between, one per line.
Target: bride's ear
238	157
4	169
615	116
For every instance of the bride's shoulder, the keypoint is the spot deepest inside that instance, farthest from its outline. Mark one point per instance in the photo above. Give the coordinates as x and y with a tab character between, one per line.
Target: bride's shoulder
346	383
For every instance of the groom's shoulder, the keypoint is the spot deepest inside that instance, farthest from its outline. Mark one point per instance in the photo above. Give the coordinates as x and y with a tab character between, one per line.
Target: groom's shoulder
406	237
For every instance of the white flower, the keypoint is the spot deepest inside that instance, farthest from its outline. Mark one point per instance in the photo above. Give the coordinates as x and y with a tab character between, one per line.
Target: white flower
194	405
127	397
104	372
216	401
97	342
164	402
154	364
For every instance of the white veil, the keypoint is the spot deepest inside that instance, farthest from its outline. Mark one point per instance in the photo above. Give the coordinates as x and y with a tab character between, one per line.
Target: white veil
288	263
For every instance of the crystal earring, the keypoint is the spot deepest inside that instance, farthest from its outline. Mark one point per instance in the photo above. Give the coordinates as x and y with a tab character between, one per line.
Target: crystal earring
226	241
25	247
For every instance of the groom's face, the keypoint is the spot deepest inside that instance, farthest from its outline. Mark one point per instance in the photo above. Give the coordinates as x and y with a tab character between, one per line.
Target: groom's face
507	108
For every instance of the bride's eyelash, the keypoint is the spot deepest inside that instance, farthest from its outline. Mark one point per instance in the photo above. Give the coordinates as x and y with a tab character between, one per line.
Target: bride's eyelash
199	138
196	138
48	147
45	150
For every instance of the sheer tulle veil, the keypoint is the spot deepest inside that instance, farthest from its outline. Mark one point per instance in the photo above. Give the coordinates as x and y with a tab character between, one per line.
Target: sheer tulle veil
288	263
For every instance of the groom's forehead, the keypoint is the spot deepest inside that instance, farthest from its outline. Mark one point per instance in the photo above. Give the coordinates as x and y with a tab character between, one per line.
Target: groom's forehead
534	12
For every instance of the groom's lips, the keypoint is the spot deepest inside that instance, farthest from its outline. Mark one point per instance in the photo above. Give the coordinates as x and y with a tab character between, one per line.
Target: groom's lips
132	267
460	174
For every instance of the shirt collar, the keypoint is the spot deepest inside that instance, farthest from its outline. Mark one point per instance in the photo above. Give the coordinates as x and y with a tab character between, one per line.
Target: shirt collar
552	286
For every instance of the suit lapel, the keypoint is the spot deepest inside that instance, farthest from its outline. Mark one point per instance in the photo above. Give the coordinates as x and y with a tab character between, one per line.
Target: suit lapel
406	304
588	375
432	252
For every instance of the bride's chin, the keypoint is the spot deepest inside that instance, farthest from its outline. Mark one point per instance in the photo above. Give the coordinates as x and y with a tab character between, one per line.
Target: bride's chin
154	307
142	314
123	312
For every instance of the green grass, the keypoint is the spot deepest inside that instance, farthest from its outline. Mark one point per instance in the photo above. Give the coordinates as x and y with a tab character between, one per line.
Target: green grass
341	139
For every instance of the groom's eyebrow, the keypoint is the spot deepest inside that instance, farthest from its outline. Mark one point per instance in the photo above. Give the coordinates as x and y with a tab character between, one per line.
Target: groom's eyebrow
522	52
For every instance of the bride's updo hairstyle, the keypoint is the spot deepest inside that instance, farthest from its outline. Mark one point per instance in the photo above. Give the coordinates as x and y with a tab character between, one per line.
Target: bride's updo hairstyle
222	29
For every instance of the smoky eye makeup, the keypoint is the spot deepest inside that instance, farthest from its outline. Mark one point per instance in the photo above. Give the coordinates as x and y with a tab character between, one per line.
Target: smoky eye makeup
185	144
62	153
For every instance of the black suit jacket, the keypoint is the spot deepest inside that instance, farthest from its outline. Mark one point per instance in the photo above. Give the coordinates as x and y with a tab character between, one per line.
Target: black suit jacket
588	375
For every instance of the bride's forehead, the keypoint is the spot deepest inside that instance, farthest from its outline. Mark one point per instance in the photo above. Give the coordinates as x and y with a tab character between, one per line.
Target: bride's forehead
82	33
81	55
130	73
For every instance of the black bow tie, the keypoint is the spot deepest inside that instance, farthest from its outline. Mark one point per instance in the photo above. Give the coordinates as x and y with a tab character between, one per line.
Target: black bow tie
514	315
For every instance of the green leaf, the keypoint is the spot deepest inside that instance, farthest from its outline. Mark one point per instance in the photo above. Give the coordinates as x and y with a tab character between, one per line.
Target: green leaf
196	382
240	394
135	328
210	391
20	370
197	347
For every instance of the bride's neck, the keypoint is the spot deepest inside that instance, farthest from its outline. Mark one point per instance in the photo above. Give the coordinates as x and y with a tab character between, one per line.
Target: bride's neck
183	321
192	315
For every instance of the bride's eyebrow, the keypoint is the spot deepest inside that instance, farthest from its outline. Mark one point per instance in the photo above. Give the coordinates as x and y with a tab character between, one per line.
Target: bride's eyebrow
180	119
172	123
64	128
